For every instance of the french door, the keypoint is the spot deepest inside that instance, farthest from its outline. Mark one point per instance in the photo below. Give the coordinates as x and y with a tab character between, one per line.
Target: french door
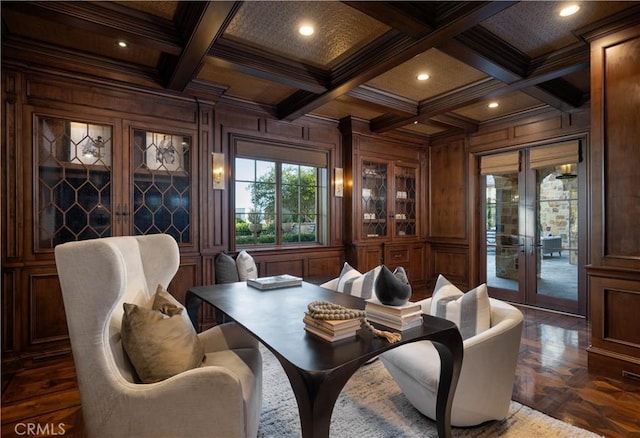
533	248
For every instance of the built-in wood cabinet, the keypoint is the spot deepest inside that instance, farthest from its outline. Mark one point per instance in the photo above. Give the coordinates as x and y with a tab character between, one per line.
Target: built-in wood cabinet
614	269
384	202
79	172
86	188
388	197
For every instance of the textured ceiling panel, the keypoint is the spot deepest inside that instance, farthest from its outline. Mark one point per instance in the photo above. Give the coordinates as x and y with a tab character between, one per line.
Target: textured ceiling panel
244	86
446	74
535	28
345	106
339	29
79	39
509	104
161	9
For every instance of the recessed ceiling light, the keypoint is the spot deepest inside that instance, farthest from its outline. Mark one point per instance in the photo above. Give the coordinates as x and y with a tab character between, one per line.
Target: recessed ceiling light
122	44
569	10
306	30
493	105
415	122
423	77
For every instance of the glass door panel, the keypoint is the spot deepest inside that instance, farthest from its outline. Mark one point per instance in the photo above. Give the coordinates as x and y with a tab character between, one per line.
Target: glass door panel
74	181
557	232
531	227
374	199
161	185
405	201
503	242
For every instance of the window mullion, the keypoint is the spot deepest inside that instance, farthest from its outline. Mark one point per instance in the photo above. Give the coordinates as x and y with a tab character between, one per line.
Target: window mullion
278	209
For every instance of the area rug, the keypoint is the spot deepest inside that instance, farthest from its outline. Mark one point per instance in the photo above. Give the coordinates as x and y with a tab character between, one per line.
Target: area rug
371	405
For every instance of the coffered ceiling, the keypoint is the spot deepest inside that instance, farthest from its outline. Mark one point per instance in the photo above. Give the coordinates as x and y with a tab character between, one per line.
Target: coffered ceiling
362	60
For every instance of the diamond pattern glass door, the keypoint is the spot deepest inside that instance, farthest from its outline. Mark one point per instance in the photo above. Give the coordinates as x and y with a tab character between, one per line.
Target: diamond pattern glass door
405	201
161	185
374	199
74	181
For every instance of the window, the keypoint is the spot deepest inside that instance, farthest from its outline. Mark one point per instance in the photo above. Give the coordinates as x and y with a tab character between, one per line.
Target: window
280	195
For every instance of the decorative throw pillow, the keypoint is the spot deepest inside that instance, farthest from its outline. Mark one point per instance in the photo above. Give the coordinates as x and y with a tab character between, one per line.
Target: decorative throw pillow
165	302
352	282
392	288
470	311
247	269
159	345
226	269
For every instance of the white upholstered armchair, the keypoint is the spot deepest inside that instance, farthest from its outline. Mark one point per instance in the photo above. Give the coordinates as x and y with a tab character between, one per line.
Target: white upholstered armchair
488	369
220	398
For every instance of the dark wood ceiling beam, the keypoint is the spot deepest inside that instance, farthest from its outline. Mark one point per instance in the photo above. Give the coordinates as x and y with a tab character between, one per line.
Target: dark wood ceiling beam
488	54
45	57
205	22
443	103
456	121
544	84
485	52
559	94
205	90
384	54
230	54
558	64
372	95
396	15
108	19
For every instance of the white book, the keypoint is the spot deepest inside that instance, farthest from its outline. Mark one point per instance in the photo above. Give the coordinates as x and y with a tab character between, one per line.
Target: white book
327	337
395	325
393	318
404	309
275	282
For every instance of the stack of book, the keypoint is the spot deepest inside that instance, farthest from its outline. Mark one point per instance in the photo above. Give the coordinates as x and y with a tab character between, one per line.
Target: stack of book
332	330
403	317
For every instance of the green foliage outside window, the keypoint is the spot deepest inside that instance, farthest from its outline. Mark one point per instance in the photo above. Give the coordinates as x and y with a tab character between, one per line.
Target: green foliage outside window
296	192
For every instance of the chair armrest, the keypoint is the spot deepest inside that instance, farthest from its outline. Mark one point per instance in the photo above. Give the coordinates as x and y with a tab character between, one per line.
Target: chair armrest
504	319
138	410
226	336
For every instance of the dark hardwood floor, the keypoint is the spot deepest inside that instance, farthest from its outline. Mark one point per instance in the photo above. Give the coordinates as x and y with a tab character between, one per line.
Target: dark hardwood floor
552	377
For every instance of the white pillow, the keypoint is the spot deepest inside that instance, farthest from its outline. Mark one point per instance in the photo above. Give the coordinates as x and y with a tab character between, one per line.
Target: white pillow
352	282
470	311
247	269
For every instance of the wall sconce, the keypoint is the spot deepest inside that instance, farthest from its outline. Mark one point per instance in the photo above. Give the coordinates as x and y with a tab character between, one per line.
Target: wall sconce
338	180
217	171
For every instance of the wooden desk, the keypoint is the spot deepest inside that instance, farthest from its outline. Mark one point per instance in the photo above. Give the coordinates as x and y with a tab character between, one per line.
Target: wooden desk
318	370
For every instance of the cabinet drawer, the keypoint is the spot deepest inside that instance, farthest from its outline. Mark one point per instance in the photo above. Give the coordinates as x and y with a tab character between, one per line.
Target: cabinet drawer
397	255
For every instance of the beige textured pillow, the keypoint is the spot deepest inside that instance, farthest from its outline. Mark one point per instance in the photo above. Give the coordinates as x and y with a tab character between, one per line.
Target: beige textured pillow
247	269
159	345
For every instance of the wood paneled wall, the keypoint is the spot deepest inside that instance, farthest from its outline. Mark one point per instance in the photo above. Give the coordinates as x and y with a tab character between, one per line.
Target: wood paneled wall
614	271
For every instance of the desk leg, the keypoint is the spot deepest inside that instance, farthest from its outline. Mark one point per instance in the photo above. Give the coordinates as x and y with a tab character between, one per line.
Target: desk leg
193	304
449	346
316	394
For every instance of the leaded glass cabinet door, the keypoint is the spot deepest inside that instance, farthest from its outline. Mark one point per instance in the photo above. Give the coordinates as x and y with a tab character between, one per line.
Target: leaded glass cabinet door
405	223
161	185
74	179
374	199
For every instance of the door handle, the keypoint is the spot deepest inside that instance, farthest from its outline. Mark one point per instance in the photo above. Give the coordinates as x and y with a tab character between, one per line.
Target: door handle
533	246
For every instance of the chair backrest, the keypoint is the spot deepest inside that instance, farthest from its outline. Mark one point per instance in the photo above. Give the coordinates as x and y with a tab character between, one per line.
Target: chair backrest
501	312
97	276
